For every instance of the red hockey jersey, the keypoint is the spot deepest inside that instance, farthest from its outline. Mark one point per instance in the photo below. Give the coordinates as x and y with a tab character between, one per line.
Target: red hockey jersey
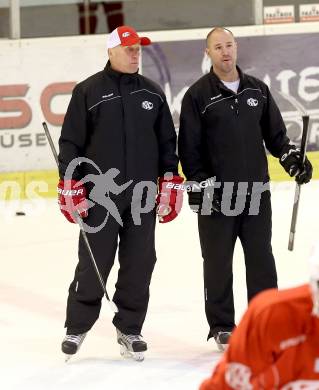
275	346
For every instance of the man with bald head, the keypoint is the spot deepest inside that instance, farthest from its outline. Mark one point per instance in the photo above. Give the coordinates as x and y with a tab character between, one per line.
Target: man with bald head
120	122
226	118
221	47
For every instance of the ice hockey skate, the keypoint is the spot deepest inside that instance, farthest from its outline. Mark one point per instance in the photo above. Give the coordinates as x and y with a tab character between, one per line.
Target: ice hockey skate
222	340
132	346
71	344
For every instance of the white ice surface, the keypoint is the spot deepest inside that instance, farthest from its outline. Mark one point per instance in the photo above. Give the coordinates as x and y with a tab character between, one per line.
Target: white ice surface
38	253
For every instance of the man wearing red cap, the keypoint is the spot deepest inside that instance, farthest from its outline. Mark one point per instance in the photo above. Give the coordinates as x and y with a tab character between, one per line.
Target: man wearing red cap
120	122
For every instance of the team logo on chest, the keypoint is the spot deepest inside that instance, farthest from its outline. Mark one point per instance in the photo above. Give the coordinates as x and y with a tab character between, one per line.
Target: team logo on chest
252	102
147	105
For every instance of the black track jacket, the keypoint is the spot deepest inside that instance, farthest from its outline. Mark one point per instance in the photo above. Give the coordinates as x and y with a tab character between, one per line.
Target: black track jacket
222	134
121	121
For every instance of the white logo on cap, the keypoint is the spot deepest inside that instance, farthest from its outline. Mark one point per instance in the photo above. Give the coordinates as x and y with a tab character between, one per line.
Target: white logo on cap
147	105
252	102
126	34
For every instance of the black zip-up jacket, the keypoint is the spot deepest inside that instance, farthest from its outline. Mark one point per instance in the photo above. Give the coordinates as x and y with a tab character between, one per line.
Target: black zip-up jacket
121	121
222	133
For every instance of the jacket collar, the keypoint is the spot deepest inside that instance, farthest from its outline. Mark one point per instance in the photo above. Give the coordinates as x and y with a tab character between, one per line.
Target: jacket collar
216	79
115	74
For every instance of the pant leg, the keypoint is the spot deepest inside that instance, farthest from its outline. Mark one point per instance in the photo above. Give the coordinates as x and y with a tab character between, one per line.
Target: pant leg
255	236
114	14
92	18
218	235
137	258
85	292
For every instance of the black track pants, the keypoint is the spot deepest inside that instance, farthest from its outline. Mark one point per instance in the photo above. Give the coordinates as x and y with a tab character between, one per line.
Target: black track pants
218	234
137	259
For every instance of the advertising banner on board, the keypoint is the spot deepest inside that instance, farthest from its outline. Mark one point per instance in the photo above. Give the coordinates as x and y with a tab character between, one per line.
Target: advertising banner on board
37	77
286	63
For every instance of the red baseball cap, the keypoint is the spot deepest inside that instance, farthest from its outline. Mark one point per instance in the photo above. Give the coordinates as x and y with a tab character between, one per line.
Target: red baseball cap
126	36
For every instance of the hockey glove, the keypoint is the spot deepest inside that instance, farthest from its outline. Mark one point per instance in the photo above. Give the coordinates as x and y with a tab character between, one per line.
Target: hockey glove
306	173
170	198
203	197
291	160
72	199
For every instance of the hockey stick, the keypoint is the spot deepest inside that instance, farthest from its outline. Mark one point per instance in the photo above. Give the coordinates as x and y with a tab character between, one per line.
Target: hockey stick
305	123
303	147
112	305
